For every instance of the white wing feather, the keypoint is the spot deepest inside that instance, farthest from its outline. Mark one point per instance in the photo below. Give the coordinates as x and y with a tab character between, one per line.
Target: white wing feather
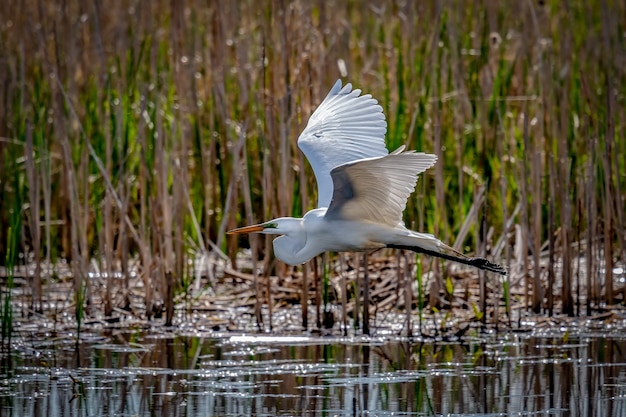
345	127
377	189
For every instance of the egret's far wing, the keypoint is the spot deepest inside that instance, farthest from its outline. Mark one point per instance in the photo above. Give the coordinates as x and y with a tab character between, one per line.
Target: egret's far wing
345	127
377	189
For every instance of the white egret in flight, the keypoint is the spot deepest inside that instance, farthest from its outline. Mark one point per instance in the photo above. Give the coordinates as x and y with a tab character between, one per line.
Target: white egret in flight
362	188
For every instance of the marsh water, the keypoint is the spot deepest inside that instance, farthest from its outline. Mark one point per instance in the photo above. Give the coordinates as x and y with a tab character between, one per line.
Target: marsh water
138	373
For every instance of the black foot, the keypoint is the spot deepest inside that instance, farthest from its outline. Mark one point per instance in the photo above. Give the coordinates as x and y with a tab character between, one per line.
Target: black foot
483	263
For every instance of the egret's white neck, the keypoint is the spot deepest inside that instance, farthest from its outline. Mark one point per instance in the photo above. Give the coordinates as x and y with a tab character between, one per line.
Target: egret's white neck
288	249
292	247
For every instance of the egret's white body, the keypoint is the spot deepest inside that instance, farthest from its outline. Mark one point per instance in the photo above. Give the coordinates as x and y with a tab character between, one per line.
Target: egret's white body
362	188
303	239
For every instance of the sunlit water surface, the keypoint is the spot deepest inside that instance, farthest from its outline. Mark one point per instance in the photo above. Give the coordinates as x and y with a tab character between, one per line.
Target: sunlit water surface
137	374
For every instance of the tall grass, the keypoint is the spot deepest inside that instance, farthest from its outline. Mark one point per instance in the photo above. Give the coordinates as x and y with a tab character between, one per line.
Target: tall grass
155	126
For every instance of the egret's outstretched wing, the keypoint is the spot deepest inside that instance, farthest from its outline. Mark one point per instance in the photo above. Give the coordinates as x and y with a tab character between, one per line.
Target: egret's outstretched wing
345	127
377	189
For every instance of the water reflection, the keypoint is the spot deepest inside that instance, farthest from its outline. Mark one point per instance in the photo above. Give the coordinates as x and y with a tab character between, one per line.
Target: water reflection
131	374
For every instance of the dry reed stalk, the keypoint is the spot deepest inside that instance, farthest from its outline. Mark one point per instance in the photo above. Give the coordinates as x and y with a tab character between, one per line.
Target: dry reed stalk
357	291
267	178
318	301
366	294
254	240
304	296
535	175
107	225
281	85
408	292
267	175
503	241
590	203
436	285
525	227
344	294
107	237
470	218
180	177
619	210
566	199
281	82
537	169
505	215
399	276
145	230
579	206
551	233
481	239
595	204
77	270
33	193
200	241
83	175
304	198
123	249
432	80
268	298
608	222
163	217
508	223
610	199
209	157
45	174
461	109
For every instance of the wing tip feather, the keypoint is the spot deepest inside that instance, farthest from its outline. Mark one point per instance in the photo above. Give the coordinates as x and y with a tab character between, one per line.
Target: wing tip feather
336	87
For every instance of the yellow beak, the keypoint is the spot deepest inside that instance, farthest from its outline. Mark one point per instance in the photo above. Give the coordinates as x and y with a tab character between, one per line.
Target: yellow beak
246	229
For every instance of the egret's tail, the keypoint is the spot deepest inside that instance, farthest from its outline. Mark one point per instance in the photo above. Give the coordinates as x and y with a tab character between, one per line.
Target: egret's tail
430	245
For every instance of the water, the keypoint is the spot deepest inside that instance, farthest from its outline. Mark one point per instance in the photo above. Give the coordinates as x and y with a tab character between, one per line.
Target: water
137	374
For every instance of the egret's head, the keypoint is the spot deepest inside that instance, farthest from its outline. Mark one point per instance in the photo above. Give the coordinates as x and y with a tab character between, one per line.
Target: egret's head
288	246
280	226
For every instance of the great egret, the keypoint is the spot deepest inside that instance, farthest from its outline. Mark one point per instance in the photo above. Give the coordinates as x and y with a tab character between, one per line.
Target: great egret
362	188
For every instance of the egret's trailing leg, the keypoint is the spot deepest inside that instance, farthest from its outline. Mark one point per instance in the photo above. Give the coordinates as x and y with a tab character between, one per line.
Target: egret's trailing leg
480	263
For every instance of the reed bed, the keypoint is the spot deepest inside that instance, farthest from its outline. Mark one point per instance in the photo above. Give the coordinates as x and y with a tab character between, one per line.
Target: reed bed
133	134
